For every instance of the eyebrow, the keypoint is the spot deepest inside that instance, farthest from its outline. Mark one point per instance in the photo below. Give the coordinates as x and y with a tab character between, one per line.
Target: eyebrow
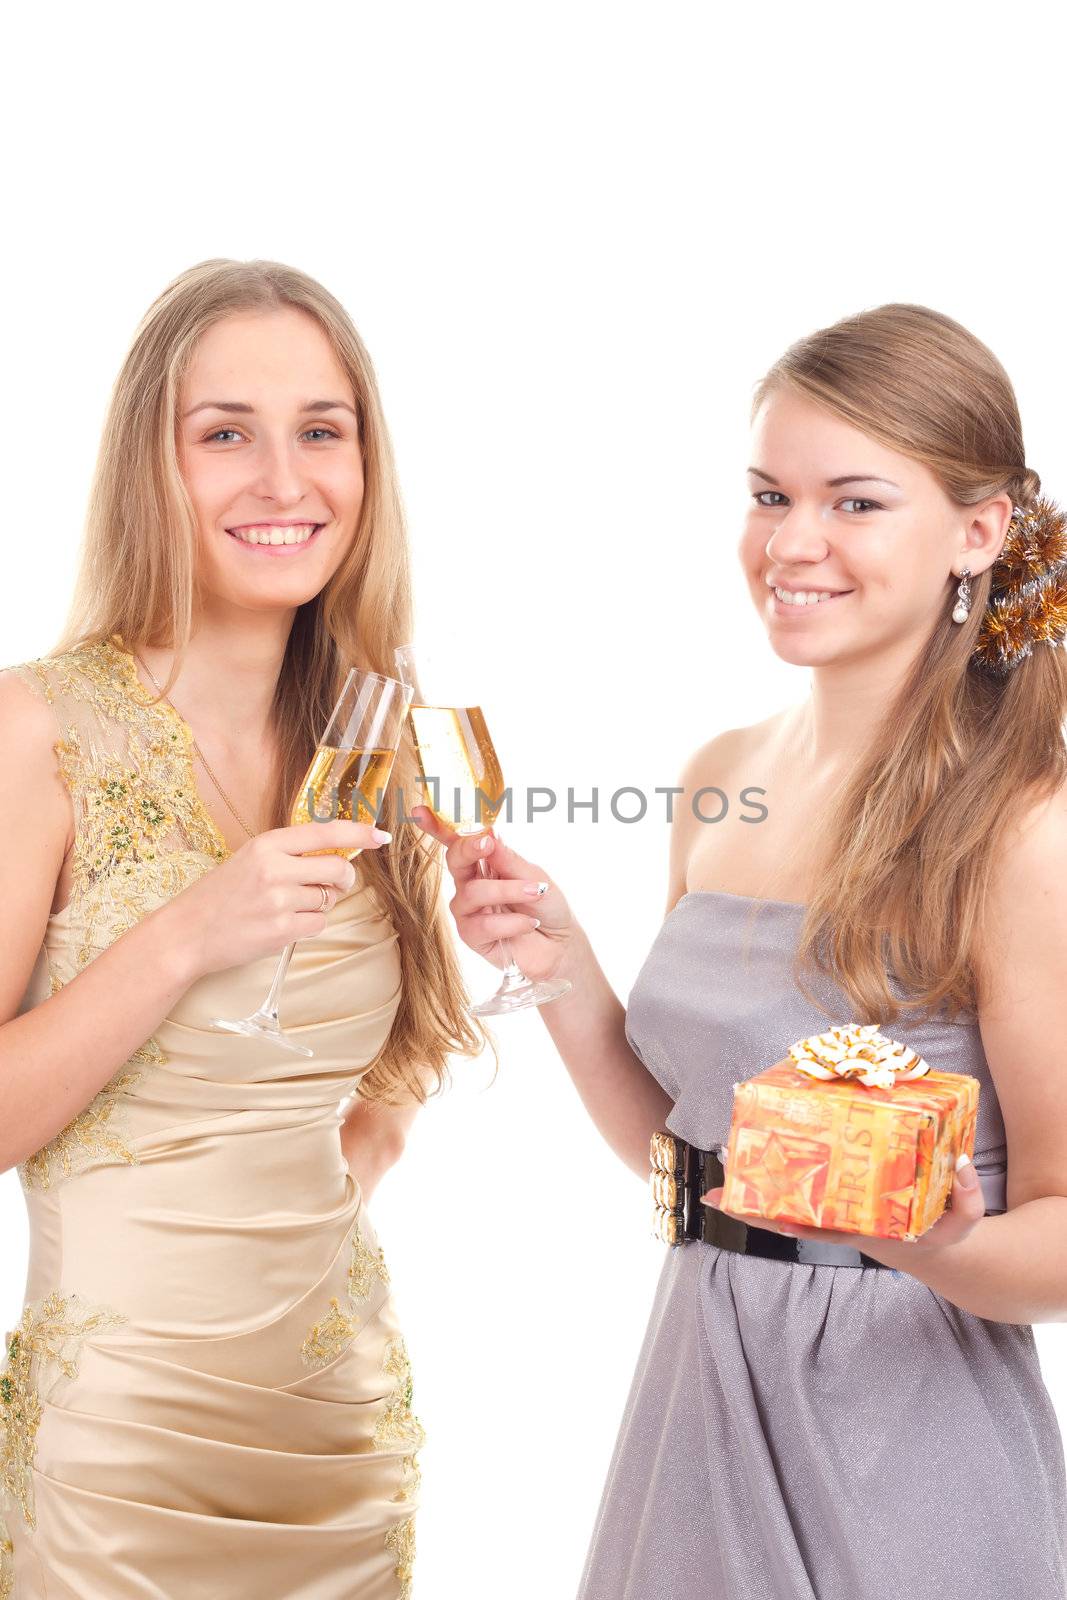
832	483
240	406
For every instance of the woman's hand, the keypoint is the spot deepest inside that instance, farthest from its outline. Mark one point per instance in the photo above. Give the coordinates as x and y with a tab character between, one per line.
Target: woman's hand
265	895
964	1210
535	916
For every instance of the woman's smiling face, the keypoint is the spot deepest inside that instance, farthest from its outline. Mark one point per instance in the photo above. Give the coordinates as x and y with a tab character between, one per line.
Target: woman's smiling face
883	544
269	449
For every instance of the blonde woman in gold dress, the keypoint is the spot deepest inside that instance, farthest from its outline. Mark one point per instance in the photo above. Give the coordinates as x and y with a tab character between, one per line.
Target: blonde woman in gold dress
208	1390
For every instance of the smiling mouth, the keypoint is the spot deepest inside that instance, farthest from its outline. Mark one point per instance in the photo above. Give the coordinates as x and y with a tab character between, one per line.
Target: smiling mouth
796	607
275	539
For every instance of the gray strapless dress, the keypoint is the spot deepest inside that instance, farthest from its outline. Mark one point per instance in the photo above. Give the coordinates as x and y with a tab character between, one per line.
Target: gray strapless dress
798	1430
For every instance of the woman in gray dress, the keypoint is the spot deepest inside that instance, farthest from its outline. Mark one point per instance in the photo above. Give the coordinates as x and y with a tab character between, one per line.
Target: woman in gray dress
809	1420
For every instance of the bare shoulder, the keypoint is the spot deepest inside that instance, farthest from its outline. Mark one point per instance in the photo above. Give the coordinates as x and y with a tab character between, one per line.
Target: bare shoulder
1033	848
721	756
27	721
720	764
36	827
1027	878
28	735
1020	967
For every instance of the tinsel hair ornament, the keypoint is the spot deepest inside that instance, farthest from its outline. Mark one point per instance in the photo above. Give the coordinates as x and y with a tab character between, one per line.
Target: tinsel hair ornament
1028	598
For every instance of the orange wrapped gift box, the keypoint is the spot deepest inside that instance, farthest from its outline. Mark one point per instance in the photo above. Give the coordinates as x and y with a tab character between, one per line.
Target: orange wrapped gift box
858	1134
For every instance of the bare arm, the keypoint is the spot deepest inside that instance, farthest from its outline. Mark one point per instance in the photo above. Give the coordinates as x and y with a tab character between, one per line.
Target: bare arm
587	1027
588	1024
373	1138
56	1057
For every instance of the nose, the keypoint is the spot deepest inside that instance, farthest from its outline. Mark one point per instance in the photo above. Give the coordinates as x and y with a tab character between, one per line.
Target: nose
279	475
797	538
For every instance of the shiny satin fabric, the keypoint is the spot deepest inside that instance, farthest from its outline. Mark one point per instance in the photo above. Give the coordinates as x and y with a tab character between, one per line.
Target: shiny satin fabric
209	1391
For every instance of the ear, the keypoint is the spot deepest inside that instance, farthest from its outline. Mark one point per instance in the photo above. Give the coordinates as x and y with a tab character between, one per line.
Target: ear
985	531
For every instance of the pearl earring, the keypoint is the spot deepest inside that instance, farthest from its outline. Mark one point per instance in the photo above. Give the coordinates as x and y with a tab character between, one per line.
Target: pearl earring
962	608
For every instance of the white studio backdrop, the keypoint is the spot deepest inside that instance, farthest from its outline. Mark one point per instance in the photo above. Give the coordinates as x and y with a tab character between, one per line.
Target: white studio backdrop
573	237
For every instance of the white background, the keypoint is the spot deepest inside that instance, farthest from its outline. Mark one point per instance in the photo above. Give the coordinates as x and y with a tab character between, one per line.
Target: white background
573	238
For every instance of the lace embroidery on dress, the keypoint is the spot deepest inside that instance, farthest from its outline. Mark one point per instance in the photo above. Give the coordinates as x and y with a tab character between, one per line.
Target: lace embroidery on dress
7	1563
96	1134
401	1541
42	1348
365	1266
142	835
326	1339
398	1424
410	1478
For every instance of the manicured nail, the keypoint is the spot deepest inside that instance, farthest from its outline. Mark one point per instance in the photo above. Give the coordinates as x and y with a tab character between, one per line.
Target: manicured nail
965	1172
536	921
535	889
380	836
484	844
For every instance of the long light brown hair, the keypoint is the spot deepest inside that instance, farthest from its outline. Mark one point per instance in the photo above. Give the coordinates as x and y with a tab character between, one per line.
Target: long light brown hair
911	848
138	577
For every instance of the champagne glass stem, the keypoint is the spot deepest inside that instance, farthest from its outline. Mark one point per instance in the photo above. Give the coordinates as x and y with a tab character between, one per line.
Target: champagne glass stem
269	1006
512	970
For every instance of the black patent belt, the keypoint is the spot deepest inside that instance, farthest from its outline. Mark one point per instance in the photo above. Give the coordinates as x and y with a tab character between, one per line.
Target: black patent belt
681	1173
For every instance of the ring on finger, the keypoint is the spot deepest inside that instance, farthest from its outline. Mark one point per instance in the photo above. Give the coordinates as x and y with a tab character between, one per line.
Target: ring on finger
325	896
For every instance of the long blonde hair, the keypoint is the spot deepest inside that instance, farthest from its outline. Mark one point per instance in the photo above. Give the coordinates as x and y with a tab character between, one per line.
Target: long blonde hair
912	846
138	577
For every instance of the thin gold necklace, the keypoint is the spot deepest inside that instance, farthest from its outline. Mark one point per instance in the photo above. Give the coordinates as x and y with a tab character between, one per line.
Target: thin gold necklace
198	750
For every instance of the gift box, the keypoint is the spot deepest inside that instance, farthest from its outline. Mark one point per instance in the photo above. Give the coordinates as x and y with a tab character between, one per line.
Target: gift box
856	1133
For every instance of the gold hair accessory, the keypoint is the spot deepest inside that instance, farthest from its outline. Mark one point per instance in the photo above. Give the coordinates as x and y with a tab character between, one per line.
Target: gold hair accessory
1028	598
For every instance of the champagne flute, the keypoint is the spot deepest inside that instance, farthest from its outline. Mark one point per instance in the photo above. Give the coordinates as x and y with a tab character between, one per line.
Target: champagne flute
347	778
458	761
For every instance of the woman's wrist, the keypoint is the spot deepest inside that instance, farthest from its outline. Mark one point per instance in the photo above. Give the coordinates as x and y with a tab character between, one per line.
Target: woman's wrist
172	951
579	965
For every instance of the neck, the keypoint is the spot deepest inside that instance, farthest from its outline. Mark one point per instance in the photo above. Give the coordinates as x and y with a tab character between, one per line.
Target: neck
226	684
847	701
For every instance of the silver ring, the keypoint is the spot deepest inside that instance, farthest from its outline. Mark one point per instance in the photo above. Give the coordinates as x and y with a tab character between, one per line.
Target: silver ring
325	896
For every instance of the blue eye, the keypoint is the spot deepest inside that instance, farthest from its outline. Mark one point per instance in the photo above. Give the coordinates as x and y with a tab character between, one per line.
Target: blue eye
328	432
758	497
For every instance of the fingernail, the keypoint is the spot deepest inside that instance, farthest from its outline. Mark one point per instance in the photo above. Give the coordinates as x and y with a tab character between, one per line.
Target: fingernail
380	836
965	1172
536	921
535	888
483	844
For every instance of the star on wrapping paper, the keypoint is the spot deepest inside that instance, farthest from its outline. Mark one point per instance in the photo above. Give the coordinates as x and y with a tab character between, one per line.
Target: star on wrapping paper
786	1177
900	1202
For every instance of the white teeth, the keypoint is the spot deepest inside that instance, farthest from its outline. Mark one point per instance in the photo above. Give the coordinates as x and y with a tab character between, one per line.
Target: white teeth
269	535
803	597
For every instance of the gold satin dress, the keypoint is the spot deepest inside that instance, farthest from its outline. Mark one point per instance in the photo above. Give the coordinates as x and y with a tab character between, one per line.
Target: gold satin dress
208	1391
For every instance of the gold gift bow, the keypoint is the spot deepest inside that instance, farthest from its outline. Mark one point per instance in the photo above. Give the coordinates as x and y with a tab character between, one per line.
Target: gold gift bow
857	1051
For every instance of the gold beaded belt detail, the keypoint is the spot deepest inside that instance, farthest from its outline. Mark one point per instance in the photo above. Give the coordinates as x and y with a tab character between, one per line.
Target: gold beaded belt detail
682	1172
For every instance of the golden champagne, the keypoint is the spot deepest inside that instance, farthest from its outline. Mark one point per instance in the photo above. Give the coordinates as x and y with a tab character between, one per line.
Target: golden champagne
454	748
343	784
